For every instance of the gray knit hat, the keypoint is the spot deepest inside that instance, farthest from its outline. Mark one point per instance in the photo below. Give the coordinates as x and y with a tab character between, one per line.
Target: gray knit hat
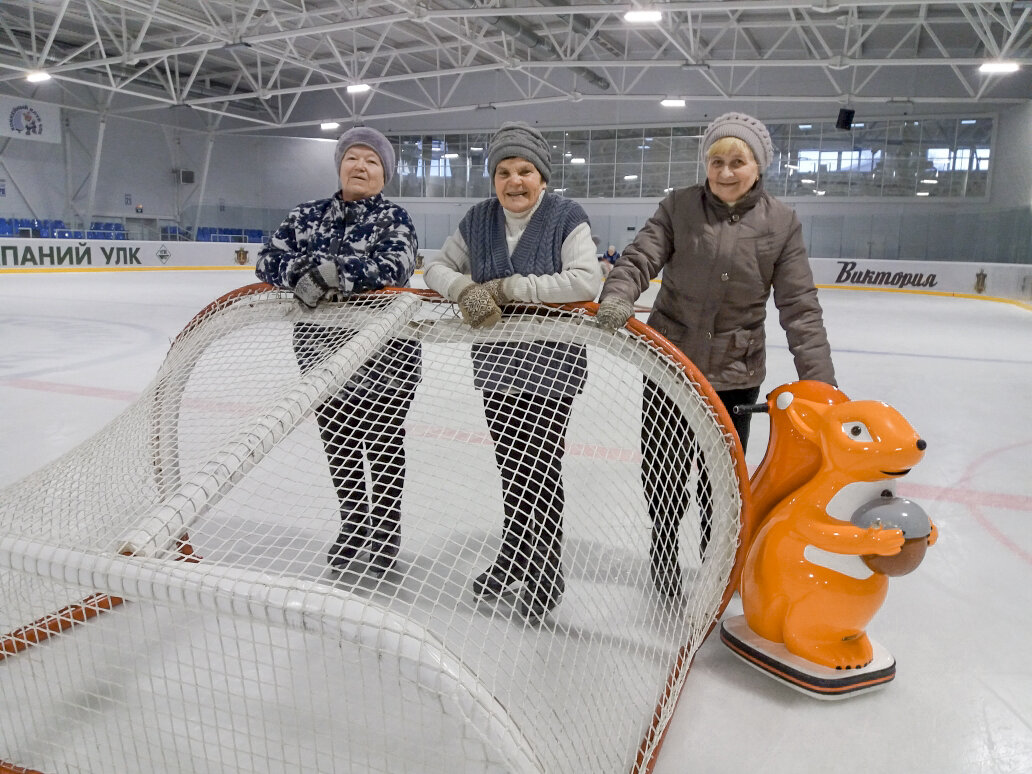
747	129
516	138
364	135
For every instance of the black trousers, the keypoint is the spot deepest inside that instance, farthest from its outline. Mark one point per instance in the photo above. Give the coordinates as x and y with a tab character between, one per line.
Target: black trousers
529	434
362	425
670	455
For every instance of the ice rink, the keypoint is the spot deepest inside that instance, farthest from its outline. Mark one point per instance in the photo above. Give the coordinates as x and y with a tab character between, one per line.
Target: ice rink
76	348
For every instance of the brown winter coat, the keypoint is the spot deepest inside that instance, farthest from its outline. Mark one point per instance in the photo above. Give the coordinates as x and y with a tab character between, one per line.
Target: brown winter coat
719	265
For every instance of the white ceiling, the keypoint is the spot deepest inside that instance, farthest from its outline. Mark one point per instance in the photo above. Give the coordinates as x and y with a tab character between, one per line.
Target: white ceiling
283	66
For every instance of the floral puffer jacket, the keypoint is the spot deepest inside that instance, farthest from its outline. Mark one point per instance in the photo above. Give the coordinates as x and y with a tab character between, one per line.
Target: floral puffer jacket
372	241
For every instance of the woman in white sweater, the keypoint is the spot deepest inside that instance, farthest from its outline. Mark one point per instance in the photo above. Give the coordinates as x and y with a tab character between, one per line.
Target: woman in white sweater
523	245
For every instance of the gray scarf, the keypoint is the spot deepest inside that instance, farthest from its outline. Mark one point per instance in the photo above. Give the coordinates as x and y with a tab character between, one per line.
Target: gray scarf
539	249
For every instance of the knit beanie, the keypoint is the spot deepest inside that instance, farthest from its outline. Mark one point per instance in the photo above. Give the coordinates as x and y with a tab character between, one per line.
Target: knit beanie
364	135
747	129
516	138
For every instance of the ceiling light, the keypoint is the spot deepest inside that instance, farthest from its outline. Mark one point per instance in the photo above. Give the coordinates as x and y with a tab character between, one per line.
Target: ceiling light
968	121
630	177
475	148
359	88
329	126
930	181
37	76
450	156
999	67
672	102
806	126
577	160
642	17
922	193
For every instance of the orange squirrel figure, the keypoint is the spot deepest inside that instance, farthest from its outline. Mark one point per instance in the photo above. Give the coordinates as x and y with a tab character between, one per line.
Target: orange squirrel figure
805	582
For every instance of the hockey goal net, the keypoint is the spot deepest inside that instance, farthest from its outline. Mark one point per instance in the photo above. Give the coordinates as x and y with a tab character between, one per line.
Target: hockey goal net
166	602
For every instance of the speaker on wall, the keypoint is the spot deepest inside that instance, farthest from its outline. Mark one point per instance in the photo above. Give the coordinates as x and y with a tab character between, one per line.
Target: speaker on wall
186	176
845	119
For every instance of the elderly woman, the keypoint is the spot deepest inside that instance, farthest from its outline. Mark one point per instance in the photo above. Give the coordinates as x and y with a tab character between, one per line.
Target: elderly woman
332	248
722	247
528	245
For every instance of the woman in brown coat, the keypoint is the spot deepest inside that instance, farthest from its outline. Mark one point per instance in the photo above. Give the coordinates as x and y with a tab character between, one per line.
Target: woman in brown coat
722	247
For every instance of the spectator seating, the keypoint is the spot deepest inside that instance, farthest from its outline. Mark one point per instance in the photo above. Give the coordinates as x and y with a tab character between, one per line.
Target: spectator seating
29	227
56	229
214	234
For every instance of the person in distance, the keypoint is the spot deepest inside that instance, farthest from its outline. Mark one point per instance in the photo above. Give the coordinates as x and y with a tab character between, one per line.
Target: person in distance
525	244
722	247
608	259
331	249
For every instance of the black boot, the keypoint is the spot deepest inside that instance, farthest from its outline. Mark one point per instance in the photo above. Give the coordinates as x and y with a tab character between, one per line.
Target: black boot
384	540
501	578
541	595
346	548
666	572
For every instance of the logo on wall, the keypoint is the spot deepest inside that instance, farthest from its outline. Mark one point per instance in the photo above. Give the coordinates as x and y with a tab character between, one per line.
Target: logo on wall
25	120
163	254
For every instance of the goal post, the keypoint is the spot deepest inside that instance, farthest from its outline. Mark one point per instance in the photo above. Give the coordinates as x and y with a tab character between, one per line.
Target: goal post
270	432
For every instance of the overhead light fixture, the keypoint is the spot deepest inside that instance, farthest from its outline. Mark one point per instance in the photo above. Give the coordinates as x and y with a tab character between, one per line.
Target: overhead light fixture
930	181
968	121
558	190
806	126
450	156
630	177
577	160
673	102
475	148
642	17
359	88
329	126
37	76
922	193
999	67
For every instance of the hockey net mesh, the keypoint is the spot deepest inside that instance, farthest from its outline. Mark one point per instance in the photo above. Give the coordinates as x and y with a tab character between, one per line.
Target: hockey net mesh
193	533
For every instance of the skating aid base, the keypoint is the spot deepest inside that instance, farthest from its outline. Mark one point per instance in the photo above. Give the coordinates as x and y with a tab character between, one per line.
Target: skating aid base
805	676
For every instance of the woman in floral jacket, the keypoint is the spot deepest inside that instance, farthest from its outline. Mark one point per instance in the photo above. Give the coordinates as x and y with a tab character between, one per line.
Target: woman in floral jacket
332	248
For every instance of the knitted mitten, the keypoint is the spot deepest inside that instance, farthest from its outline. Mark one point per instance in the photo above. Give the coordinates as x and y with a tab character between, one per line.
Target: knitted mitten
478	307
315	283
613	313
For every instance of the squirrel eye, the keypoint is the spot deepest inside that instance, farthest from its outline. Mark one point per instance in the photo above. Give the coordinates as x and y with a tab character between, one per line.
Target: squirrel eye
857	431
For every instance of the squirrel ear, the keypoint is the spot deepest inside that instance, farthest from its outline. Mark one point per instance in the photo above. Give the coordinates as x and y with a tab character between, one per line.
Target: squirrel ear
806	417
